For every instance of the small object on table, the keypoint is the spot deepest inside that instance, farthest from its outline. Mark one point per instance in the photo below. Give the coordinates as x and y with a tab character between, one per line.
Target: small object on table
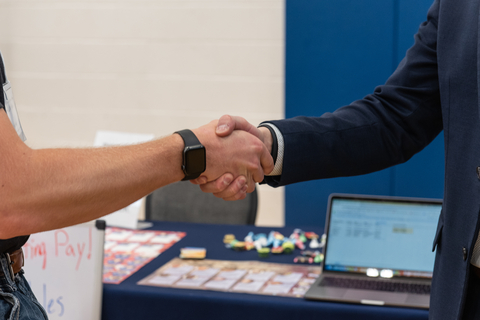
279	236
249	237
277	250
302	238
277	246
300	244
231	244
249	245
311	235
303	259
263	252
309	254
239	246
288	247
193	253
270	239
324	239
228	238
314	244
259	236
318	258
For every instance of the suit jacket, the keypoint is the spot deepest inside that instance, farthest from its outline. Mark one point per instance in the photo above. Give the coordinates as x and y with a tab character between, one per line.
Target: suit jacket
435	88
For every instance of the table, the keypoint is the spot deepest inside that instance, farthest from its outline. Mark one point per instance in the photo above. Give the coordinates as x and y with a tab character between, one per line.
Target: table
131	301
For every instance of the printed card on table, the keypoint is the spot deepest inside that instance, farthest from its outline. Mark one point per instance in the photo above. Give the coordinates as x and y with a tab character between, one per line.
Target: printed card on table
235	276
126	251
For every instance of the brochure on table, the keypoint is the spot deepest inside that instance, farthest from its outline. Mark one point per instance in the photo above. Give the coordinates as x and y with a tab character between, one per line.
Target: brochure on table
126	251
235	276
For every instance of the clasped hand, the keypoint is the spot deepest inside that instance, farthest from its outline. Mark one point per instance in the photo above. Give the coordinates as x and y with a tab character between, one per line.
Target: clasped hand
238	156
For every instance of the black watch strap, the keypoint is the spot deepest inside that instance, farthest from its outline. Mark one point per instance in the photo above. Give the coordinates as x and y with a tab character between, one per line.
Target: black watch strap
194	159
188	137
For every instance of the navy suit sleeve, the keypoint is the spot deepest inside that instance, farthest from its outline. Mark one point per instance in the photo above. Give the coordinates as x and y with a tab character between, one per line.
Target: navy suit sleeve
3	78
385	128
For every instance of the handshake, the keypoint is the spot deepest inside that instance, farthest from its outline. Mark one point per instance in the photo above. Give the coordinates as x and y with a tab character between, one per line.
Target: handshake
238	155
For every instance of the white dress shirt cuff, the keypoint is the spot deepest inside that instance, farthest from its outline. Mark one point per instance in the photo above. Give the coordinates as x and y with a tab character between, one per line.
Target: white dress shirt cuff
277	170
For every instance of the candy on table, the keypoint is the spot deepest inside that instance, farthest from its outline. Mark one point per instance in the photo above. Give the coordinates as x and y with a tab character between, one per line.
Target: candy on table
314	244
309	257
259	236
318	258
228	238
231	244
277	249
249	245
260	240
298	234
302	238
193	253
278	235
311	235
324	238
308	253
303	259
277	246
263	252
300	245
249	237
271	239
288	247
239	246
275	241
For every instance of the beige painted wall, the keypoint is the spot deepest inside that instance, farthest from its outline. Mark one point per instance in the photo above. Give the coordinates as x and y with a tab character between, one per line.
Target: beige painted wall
144	67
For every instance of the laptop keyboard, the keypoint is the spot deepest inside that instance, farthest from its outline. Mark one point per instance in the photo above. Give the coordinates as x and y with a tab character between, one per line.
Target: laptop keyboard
372	284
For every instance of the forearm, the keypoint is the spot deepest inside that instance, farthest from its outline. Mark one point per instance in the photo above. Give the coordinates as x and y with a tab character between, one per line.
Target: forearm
52	188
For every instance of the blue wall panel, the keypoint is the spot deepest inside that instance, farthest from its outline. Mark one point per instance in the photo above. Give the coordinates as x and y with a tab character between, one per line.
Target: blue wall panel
337	52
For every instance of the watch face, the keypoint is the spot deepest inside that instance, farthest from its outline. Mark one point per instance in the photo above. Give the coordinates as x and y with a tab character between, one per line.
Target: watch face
195	159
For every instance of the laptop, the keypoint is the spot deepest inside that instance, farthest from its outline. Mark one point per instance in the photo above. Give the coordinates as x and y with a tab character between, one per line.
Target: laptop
378	251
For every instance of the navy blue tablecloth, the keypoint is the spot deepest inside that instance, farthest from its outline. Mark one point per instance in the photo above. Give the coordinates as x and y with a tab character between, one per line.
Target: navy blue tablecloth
131	301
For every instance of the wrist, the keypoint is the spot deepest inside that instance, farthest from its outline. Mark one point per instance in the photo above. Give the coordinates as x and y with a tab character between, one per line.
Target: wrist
270	140
266	138
194	155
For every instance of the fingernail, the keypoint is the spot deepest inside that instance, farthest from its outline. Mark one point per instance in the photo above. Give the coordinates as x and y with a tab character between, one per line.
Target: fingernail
227	181
222	128
244	189
202	180
241	184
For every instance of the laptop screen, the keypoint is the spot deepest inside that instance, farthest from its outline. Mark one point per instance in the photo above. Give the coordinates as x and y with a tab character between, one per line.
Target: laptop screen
385	233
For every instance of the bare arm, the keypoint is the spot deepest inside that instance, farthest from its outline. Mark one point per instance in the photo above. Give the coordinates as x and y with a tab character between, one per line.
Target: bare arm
52	188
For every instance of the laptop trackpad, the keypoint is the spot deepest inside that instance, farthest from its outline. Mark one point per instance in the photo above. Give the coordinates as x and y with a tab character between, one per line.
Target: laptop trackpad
375	297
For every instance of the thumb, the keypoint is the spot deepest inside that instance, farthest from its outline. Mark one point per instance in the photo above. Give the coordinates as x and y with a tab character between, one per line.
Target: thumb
225	126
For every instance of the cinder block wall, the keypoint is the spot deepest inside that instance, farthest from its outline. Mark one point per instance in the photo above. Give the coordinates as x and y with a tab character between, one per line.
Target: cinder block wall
144	67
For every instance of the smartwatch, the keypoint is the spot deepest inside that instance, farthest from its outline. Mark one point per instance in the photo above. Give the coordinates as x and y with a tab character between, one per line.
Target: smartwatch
194	155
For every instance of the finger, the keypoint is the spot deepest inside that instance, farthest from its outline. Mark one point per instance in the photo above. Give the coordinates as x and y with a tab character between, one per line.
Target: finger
266	160
227	124
251	187
238	196
256	174
217	185
236	191
199	180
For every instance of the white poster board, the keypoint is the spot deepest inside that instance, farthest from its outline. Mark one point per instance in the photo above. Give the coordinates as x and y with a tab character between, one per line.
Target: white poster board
128	216
64	268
